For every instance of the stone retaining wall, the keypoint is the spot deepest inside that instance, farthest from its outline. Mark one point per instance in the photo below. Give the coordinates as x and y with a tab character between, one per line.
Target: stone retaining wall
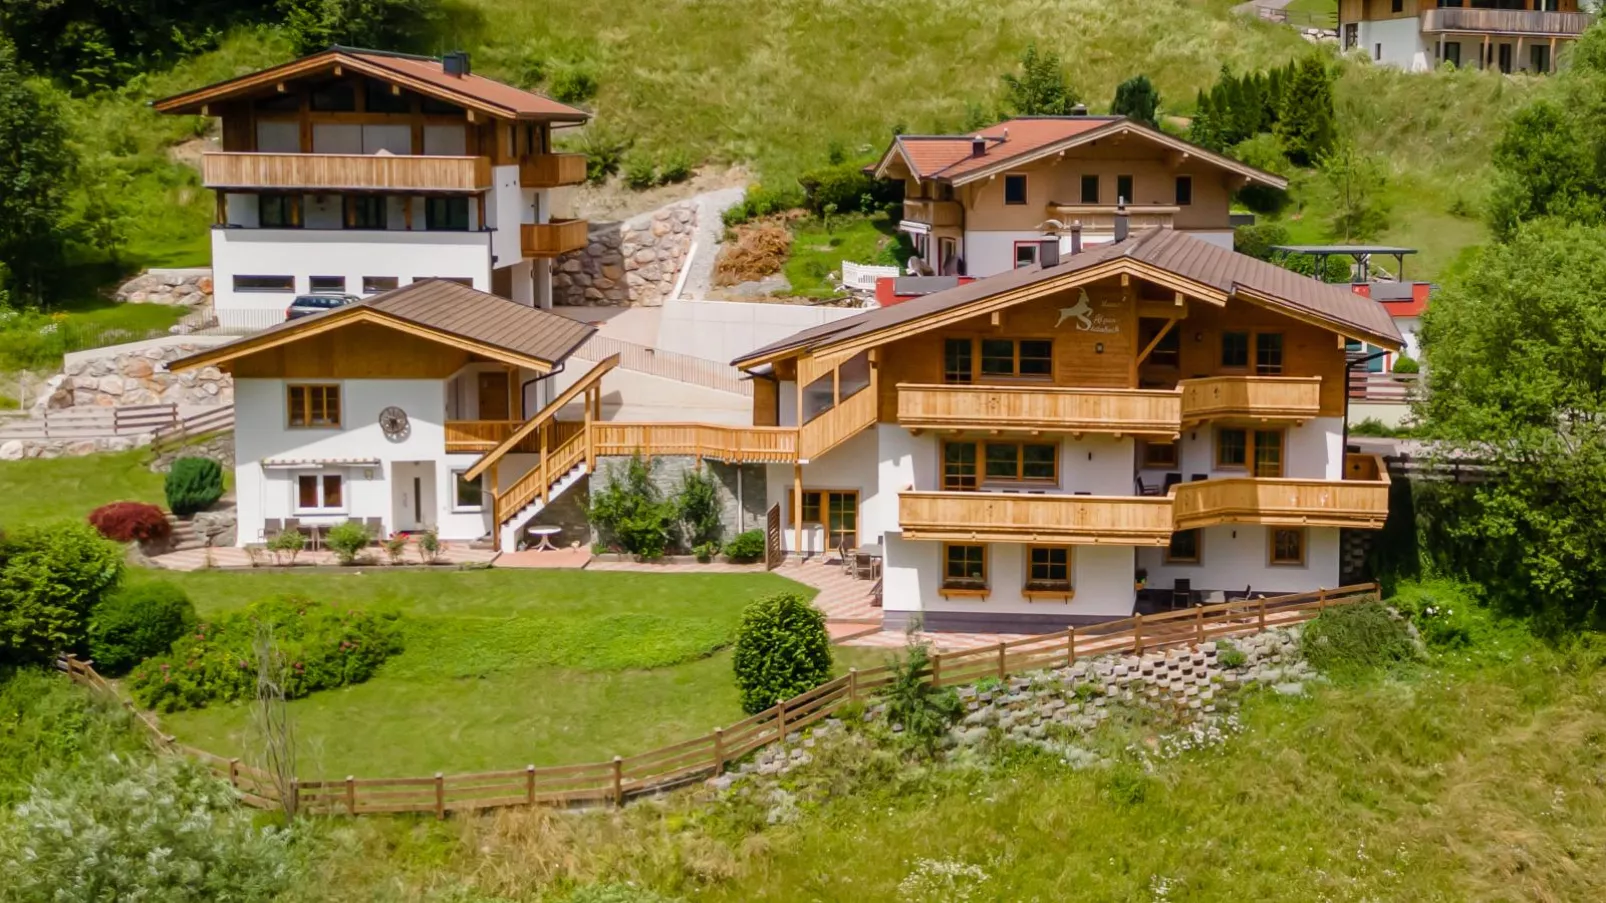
219	448
19	449
189	288
633	262
133	378
668	470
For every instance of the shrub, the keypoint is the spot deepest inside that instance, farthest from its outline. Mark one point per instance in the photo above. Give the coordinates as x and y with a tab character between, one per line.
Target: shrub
697	507
849	188
395	548
429	547
1443	611
136	622
924	711
1404	364
640	174
50	580
1355	638
676	168
324	647
573	84
630	512
760	201
746	546
616	893
705	551
132	827
193	485
605	151
286	546
131	522
347	540
1229	656
782	649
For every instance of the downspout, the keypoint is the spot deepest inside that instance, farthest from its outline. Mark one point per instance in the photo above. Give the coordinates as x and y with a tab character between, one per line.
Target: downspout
524	387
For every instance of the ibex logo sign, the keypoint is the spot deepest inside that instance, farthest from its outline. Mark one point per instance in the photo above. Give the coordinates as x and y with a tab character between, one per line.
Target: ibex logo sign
1086	319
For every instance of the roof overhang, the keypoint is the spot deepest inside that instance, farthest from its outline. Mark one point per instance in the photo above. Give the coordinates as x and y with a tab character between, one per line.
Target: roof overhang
1315	318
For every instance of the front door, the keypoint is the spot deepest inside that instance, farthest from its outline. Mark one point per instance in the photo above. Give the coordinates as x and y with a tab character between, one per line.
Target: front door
413	495
493	392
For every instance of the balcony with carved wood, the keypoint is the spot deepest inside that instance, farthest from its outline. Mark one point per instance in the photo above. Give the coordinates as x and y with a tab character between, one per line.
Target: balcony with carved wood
932	212
553	239
1360	500
345	172
1011	517
1144	412
1534	23
1259	398
1101	217
552	170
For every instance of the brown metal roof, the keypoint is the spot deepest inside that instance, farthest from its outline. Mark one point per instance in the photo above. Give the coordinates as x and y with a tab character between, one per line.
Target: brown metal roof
1177	253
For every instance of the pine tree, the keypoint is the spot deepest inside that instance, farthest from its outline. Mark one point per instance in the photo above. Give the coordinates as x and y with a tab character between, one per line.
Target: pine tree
1137	100
1307	125
1041	88
1203	129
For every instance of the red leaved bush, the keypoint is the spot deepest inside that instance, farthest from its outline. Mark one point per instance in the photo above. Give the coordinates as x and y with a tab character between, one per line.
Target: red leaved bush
130	521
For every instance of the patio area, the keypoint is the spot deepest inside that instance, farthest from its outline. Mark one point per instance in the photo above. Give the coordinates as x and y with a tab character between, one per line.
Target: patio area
451	554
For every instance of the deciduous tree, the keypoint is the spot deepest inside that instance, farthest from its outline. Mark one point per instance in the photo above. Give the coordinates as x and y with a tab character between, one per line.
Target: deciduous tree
36	173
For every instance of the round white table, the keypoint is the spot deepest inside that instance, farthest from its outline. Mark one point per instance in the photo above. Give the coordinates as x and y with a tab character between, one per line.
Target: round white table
544	535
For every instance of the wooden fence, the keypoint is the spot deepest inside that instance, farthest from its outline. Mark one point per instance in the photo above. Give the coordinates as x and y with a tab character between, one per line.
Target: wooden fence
91	422
615	781
215	420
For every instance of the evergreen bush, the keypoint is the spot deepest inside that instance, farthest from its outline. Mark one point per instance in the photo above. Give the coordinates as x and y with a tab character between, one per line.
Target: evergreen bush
136	622
631	513
1355	638
697	506
782	649
131	522
924	711
1404	364
193	484
746	546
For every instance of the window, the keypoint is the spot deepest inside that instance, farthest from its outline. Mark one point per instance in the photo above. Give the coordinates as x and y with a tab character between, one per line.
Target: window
1235	349
446	214
1166	353
957	364
277	211
470	494
264	283
1268	453
819	397
375	284
1090	189
1017	357
366	211
1352	35
837	512
1287	545
1159	454
335	97
1184	548
320	492
1268	353
1397	6
964	567
1452	53
1025	253
380	98
1504	54
1232	448
958	466
314	406
1538	58
1184	190
1014	189
1377	53
1123	189
1031	462
327	284
1048	569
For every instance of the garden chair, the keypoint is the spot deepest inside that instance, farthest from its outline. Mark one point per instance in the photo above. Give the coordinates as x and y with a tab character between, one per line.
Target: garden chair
1182	594
846	555
866	567
271	528
1144	488
1171	479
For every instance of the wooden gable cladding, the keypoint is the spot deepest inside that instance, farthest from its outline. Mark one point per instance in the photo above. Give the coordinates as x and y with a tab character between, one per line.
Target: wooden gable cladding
360	350
1307	350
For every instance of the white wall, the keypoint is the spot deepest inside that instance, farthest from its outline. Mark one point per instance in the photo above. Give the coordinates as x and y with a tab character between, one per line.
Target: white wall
1311	451
352	254
851	465
1102	579
505	209
724	330
1233	556
1410	329
1403	44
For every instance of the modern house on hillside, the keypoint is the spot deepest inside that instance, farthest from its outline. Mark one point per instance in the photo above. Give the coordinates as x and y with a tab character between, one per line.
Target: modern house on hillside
978	204
356	172
1508	35
1153	421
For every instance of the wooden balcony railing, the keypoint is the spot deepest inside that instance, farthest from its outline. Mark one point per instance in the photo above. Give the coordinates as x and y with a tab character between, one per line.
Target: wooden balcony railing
1101	217
1075	410
1010	517
932	212
346	172
478	435
837	425
737	444
553	239
1252	397
553	170
1361	502
1506	21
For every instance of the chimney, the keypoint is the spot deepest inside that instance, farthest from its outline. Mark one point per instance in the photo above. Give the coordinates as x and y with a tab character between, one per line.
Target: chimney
1048	252
1079	110
1121	227
1076	237
456	63
978	147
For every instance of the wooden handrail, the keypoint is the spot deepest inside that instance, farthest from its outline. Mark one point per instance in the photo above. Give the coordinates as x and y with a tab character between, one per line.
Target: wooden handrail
550	412
1057	408
539	479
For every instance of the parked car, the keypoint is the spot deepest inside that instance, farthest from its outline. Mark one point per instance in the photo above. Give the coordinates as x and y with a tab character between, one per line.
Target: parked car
307	305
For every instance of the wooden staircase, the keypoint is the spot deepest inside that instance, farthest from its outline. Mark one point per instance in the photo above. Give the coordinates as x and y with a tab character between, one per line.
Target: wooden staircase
558	469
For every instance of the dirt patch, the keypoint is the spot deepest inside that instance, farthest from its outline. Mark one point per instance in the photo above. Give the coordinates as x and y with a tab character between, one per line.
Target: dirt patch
614	200
755	250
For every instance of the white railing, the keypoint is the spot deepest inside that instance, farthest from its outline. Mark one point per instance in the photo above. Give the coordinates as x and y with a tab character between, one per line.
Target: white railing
862	276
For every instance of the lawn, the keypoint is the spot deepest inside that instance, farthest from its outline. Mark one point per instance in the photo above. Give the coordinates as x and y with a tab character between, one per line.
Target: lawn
502	668
820	246
40	491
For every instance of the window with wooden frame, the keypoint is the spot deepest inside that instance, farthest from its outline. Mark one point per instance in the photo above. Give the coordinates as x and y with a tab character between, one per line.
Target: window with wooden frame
1168	351
1287	545
366	211
1268	353
1185	548
1020	462
1015	189
1268	453
277	211
320	493
1032	358
959	472
1235	350
958	361
1048	570
316	407
1159	454
1123	189
1184	190
446	214
1232	447
835	510
964	568
1258	451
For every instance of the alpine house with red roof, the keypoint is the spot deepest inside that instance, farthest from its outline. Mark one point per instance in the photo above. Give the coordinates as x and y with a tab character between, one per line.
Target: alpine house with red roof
353	172
980	204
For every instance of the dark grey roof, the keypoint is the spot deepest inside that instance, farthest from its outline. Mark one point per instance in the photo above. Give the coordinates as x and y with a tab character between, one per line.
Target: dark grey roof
1174	252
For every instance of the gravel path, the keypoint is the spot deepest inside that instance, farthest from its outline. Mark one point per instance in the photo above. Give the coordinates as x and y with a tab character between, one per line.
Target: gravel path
711	206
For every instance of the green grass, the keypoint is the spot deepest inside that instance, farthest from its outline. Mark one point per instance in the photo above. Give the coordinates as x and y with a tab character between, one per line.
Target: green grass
817	251
42	491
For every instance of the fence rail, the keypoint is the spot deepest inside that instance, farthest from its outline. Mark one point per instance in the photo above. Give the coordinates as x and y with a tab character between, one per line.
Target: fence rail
92	422
612	782
182	430
1395	387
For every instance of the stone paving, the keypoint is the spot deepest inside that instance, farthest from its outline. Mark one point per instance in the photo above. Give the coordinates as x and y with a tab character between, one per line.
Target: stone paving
231	557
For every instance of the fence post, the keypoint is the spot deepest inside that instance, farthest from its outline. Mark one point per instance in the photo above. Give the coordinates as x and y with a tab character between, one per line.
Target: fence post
351	795
1002	671
1321	599
234	772
780	721
1262	614
1198	625
1070	647
440	795
936	669
295	796
853	684
719	751
529	784
618	782
1137	633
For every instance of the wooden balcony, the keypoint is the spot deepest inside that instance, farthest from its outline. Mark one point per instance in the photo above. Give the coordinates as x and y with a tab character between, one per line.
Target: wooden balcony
1360	501
1010	517
1265	398
837	425
1101	217
478	436
345	172
1506	21
553	239
932	212
1150	412
737	444
552	170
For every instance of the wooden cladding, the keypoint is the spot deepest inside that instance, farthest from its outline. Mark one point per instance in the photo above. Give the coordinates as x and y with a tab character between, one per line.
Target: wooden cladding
933	212
345	172
1019	517
1251	397
1357	503
552	170
739	444
1506	21
840	423
973	407
478	435
553	239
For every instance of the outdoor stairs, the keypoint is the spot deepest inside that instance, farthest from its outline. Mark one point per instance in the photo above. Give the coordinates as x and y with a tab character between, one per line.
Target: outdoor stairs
185	536
514	524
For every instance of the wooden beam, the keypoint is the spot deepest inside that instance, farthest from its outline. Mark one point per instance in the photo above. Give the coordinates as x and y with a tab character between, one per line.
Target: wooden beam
797	508
1147	349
